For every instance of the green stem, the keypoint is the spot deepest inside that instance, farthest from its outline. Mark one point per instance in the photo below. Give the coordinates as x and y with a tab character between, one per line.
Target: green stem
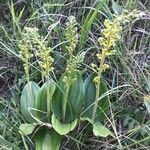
65	102
96	101
27	73
48	101
97	90
99	74
67	89
24	142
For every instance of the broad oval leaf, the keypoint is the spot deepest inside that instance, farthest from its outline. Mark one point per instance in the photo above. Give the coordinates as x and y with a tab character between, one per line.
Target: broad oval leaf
47	139
26	129
74	100
101	130
28	100
89	100
41	103
98	128
63	128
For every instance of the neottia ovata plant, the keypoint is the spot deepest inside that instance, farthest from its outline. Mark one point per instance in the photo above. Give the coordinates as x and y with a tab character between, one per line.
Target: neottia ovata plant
53	108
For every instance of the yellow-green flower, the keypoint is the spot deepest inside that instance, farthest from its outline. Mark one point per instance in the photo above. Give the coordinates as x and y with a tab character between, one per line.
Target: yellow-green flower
73	61
110	36
71	34
25	46
33	42
25	54
45	60
107	42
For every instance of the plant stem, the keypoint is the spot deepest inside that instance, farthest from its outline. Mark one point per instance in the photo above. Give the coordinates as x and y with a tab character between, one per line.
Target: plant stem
48	101
96	101
67	89
27	72
65	101
97	84
97	90
24	142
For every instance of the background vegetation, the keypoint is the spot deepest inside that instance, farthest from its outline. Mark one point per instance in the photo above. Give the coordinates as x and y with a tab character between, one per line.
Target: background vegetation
129	68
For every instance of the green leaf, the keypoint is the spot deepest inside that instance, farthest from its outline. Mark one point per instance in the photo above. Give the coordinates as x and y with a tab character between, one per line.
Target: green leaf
89	99
101	130
86	119
63	128
118	9
89	21
147	86
28	100
41	103
26	129
147	102
98	128
47	139
74	100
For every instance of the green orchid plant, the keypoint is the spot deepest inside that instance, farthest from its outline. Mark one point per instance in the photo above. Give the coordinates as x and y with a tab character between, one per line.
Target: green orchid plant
55	108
